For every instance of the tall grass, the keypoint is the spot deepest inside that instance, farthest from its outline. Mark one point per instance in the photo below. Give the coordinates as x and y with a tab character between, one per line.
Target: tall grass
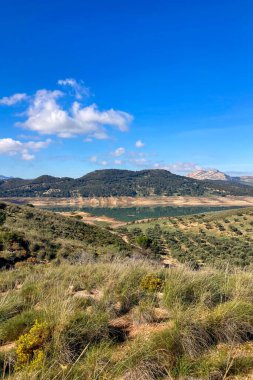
210	320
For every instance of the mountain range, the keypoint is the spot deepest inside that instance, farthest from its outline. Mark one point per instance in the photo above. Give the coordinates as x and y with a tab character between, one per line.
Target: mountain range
216	175
114	182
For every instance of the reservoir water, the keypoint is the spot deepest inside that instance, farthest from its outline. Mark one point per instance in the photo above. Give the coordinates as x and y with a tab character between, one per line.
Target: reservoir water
128	214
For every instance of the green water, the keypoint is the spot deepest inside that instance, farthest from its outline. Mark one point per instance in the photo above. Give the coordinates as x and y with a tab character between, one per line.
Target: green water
129	214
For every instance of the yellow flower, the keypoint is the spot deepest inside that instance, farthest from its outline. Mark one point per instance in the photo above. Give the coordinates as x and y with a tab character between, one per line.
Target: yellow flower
151	283
29	351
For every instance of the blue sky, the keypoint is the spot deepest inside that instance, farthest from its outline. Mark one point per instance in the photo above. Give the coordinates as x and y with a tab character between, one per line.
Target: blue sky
97	84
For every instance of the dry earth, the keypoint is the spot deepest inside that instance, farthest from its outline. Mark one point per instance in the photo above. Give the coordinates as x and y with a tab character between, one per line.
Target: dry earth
92	219
137	201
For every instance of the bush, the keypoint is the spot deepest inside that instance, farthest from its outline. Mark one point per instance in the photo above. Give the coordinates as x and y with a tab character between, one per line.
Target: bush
143	241
151	283
12	328
30	347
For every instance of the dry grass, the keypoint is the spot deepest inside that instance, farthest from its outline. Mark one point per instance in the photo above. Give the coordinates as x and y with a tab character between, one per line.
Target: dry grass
207	319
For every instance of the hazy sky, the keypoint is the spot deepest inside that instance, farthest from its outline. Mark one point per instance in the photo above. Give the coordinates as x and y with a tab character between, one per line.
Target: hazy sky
97	84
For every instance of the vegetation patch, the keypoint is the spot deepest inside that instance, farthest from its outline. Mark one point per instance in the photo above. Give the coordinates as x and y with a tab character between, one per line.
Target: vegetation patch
218	238
121	314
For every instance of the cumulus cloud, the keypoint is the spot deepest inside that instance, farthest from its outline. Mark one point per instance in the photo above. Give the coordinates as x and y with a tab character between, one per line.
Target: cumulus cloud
79	89
136	159
47	117
119	152
141	160
139	144
13	99
99	161
10	147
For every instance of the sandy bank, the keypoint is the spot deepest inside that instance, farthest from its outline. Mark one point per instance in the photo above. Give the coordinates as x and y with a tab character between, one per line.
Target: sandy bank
137	201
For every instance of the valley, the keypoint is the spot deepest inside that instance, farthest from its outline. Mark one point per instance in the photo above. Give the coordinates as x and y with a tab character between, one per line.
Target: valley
126	190
120	287
168	297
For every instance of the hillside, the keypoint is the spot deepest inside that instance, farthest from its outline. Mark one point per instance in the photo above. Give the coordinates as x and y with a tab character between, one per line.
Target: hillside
247	180
217	238
128	320
113	182
4	178
66	313
33	234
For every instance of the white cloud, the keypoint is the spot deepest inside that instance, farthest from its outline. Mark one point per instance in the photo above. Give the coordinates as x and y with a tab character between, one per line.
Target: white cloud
178	166
137	159
119	152
118	162
79	89
103	163
47	117
139	144
100	135
93	159
140	162
13	99
10	147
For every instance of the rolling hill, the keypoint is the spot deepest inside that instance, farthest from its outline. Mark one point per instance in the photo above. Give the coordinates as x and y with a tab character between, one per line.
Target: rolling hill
126	318
213	238
113	182
30	233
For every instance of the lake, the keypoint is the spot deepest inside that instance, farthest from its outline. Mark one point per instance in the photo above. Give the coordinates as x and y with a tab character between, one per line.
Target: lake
129	214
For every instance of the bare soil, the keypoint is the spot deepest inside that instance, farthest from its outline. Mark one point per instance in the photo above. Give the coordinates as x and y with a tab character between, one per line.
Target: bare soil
137	201
95	220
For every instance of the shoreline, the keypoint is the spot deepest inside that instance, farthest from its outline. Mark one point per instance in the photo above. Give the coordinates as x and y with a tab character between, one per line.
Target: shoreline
178	201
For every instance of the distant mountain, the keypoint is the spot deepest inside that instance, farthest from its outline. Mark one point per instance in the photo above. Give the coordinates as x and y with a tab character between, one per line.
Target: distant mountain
117	183
248	180
4	178
216	175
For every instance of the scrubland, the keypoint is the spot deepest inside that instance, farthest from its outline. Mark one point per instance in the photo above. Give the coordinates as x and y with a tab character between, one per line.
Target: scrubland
79	302
129	319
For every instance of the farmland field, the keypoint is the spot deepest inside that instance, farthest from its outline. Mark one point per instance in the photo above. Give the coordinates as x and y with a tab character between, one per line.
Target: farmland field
217	237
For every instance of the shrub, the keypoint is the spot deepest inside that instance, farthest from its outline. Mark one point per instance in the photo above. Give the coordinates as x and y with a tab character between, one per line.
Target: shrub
30	347
2	217
151	283
143	241
13	327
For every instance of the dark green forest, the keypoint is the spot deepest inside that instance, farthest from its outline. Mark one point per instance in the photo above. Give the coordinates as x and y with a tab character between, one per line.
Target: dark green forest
113	182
